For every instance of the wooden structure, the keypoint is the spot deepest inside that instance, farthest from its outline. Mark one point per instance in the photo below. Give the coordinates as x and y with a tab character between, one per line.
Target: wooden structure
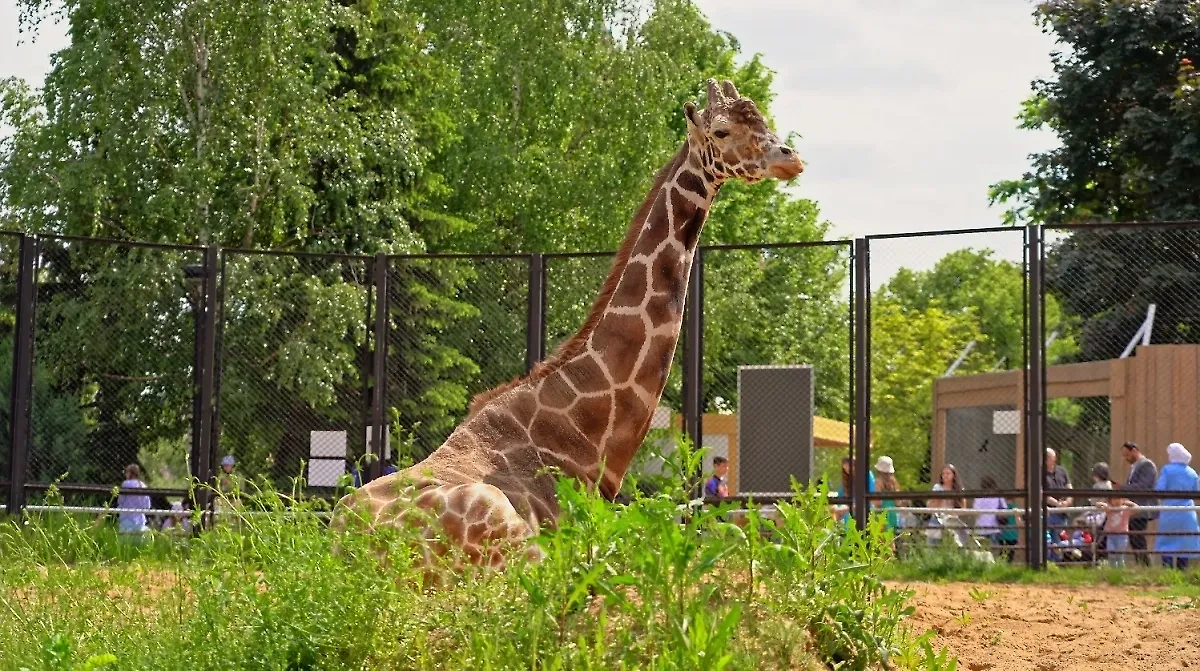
1153	401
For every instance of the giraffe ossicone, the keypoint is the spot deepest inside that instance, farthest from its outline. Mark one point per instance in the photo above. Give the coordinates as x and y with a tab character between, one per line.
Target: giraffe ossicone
585	410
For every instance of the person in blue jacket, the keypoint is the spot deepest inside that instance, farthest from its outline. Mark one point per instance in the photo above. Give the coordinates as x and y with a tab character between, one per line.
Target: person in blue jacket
1181	540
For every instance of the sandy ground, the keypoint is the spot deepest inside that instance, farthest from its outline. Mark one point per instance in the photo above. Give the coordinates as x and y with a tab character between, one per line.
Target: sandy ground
1056	628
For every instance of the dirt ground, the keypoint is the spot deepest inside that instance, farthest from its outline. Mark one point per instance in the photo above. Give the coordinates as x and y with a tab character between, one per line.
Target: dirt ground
1057	628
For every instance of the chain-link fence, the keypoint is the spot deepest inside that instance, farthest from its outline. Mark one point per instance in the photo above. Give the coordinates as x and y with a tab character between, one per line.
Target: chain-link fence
947	345
294	343
776	362
113	362
957	325
1126	300
457	327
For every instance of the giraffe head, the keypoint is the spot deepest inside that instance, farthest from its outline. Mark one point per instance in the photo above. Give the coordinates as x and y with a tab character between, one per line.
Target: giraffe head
732	140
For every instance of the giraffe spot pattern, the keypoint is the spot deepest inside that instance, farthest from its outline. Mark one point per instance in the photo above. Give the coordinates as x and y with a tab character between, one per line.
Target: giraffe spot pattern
618	338
650	239
632	289
664	308
555	393
553	432
523	405
585	374
689	181
652	376
591	416
668	273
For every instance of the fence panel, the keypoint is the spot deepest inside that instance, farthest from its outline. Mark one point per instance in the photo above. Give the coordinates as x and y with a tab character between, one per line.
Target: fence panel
113	362
10	252
293	350
1126	301
948	344
769	309
457	328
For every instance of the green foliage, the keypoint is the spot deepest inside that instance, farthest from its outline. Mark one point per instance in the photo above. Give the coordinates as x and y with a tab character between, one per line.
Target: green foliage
921	345
992	293
1124	103
269	591
364	127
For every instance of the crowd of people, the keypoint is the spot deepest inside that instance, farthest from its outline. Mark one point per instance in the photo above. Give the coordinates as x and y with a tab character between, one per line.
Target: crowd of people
1114	527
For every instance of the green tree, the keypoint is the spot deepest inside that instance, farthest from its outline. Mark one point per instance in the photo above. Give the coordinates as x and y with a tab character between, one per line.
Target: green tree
921	343
1124	103
299	125
992	292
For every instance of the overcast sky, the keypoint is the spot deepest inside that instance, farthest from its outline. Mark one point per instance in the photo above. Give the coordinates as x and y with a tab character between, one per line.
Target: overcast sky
906	108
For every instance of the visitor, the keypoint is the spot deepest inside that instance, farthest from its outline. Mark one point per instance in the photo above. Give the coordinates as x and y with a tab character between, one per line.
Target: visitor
1118	512
886	479
846	490
1094	519
717	485
1142	475
987	525
1055	477
947	482
1010	530
1178	530
180	519
133	522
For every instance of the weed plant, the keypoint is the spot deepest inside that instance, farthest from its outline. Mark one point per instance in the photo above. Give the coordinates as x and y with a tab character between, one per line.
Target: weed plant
657	583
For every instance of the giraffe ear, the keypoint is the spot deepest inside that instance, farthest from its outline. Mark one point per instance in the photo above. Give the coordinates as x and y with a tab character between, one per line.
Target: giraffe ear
689	111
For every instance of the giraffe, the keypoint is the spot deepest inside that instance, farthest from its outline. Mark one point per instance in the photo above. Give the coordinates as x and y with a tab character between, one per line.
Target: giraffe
585	410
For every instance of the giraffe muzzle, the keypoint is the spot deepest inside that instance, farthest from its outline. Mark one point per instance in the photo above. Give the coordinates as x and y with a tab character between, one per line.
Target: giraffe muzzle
784	163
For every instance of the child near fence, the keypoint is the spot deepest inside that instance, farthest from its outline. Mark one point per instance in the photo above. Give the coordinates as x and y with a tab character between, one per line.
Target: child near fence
1116	528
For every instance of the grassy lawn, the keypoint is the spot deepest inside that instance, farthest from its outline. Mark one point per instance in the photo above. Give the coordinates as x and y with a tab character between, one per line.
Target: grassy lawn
623	587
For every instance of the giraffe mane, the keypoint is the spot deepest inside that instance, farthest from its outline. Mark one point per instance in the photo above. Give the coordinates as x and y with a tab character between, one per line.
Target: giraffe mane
572	347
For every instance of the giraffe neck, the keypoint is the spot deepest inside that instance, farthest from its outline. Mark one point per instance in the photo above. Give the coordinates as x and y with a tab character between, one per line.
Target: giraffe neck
636	334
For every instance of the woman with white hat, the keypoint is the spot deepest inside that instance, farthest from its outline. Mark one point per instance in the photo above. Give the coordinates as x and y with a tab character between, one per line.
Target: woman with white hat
1179	530
886	481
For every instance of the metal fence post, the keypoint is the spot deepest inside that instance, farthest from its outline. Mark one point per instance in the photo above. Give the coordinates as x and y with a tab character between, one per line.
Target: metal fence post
535	321
207	365
379	367
862	380
693	352
1035	404
22	376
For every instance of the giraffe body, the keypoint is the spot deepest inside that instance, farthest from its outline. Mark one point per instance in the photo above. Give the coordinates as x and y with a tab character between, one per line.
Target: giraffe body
585	410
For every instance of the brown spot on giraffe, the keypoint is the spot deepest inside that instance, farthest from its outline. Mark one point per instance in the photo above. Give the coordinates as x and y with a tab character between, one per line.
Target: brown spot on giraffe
586	375
632	290
485	488
618	338
590	414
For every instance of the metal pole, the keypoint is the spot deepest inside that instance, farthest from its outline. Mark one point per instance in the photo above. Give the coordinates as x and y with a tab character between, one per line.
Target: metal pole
218	359
208	347
379	369
1035	542
693	352
22	375
535	320
862	380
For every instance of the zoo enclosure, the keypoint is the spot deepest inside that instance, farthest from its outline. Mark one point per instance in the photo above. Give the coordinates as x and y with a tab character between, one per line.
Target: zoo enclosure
173	351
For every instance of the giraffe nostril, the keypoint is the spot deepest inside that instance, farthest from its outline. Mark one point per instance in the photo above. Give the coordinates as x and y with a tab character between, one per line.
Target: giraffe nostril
787	151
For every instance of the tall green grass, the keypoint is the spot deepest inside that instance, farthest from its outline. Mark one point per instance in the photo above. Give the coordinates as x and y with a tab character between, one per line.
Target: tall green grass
654	584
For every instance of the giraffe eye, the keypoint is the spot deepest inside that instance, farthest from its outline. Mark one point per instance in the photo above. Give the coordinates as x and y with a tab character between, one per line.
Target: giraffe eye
721	134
